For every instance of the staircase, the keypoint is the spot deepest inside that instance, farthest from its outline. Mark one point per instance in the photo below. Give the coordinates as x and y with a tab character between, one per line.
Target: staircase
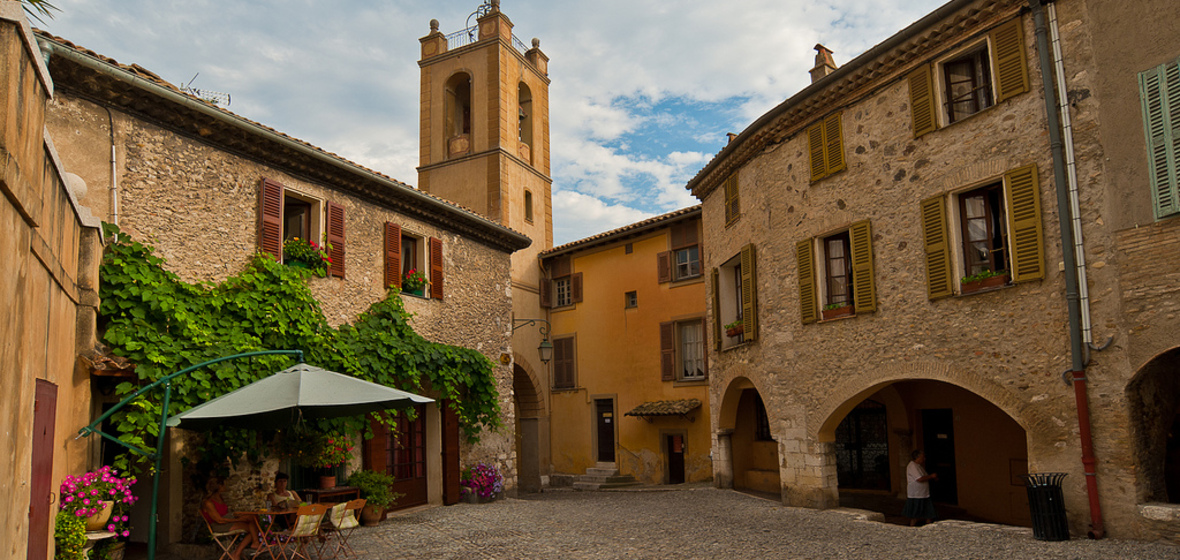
603	476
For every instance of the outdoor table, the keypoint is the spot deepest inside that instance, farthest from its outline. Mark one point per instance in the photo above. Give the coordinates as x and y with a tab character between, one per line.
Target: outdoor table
337	494
265	544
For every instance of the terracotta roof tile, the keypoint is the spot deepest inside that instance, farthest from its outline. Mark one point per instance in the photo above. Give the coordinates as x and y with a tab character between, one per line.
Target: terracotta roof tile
665	408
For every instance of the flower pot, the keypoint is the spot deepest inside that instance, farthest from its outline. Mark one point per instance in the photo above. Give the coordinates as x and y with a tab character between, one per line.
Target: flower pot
98	521
372	515
838	312
116	550
473	498
327	482
986	283
735	331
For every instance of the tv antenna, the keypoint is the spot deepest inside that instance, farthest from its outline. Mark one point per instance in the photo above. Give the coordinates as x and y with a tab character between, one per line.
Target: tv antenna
214	97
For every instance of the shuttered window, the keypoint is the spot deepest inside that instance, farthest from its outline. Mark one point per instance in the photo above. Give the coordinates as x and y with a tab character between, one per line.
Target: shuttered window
805	260
733	201
716	310
1024	224
393	255
938	248
336	239
667	351
1159	93
1007	43
749	294
270	218
845	271
564	363
825	143
436	268
682	351
864	288
565	287
684	260
923	102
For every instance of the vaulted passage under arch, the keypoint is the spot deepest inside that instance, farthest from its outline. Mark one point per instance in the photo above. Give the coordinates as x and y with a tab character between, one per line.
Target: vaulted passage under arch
978	451
526	399
1153	397
748	452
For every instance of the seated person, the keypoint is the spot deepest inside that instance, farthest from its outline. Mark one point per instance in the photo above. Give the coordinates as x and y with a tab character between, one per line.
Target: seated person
282	499
216	512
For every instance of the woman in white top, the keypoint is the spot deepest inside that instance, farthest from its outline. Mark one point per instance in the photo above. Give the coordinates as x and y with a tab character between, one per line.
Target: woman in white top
918	504
281	498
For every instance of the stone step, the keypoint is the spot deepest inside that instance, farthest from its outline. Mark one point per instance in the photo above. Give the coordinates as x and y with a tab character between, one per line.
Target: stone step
595	471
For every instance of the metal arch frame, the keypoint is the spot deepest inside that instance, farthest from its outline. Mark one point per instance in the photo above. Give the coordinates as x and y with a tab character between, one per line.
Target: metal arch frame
158	454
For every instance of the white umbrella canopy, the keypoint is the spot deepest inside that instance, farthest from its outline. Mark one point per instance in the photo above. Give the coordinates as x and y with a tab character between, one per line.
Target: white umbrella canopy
298	392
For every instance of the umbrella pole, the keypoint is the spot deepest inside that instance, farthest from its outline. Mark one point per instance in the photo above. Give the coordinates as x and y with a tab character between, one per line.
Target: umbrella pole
156	478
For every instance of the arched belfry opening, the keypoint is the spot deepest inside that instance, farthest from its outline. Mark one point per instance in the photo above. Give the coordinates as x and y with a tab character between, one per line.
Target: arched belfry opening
748	453
1153	397
978	451
457	114
525	120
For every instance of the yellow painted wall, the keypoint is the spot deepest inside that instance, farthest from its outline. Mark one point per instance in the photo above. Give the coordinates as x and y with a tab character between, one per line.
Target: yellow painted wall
618	356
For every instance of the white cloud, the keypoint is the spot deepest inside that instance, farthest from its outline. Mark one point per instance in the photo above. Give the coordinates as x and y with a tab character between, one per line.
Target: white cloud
577	216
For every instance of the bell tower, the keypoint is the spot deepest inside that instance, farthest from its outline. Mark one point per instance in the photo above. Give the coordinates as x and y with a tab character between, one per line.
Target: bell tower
484	144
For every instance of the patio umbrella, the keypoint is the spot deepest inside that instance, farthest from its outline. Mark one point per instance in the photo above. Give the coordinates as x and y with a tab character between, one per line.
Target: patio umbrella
281	400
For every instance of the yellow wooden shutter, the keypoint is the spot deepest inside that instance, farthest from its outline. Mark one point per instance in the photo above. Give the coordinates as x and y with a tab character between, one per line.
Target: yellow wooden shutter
716	310
833	143
864	290
815	145
922	101
1008	60
938	257
749	293
805	259
733	206
1026	237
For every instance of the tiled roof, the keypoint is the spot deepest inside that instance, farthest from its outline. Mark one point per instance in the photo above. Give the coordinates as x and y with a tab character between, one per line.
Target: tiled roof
666	408
625	231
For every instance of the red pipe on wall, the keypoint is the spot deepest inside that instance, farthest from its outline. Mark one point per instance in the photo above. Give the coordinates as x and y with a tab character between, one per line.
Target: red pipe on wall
1097	527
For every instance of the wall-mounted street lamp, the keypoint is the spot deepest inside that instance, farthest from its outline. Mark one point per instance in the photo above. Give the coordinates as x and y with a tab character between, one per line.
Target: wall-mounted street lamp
546	347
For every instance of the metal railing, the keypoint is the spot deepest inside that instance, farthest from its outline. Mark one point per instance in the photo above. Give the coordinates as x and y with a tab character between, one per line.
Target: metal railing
465	37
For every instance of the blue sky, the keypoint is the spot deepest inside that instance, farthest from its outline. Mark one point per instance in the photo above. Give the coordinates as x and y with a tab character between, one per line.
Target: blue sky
642	94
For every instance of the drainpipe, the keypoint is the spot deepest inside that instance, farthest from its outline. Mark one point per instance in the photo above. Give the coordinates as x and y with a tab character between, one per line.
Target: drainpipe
1077	370
114	172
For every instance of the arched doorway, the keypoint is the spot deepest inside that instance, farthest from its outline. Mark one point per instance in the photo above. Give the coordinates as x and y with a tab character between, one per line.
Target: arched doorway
530	411
748	450
978	451
1153	397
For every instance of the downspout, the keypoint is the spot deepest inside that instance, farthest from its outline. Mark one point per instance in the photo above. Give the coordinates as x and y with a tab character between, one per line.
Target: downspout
1077	370
114	172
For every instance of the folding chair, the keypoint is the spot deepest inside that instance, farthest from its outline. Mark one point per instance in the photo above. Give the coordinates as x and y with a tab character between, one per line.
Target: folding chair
343	520
305	531
225	540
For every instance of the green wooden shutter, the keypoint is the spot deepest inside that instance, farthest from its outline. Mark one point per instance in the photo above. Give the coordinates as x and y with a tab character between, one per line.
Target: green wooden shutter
1008	60
923	107
938	249
270	218
749	293
1159	91
864	290
805	259
393	255
667	351
1024	224
815	145
833	143
716	310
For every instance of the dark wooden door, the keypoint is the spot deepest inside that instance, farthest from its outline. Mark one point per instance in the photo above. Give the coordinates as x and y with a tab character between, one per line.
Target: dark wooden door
675	459
407	459
450	454
938	441
605	413
40	488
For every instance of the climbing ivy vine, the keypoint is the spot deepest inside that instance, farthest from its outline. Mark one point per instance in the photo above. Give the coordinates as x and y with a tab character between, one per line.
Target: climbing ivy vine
164	324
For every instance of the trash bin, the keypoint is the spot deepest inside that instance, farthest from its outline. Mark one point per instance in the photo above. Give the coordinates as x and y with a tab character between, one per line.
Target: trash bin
1047	506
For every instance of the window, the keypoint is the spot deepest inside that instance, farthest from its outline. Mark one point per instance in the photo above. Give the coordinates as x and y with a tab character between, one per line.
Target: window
682	350
997	227
528	206
735	300
1159	91
733	202
969	80
761	420
631	300
826	145
406	252
564	295
842	282
564	363
628	249
683	262
565	286
457	114
284	215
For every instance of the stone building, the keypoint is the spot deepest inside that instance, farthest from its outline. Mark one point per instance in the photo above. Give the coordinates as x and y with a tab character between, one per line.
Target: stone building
630	376
891	240
209	188
50	246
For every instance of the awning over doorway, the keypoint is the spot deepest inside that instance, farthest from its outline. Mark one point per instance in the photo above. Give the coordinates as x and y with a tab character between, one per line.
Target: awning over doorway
652	409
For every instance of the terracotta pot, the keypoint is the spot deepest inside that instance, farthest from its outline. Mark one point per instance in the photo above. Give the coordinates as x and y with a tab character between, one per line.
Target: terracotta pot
838	312
327	482
986	283
736	331
98	521
371	515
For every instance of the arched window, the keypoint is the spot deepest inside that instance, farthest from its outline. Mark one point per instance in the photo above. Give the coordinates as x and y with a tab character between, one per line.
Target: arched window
524	99
528	206
457	112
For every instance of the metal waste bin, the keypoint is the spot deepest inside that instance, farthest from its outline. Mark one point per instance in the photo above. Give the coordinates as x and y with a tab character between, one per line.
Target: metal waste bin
1047	506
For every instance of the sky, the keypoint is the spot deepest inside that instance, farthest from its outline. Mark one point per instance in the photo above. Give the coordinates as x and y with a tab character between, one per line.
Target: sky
642	92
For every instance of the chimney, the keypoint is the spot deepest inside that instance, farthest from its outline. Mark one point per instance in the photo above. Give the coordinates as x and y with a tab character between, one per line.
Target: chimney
731	136
824	64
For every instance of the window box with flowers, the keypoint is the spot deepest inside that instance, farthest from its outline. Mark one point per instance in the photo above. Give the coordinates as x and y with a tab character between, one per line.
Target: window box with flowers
736	328
837	310
986	280
307	254
414	283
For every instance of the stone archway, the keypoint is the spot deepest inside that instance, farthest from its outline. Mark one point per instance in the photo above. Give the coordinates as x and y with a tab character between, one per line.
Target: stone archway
531	418
748	456
1153	397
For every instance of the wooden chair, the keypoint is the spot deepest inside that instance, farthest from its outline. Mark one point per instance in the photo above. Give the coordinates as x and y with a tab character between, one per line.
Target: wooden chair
343	519
305	531
225	540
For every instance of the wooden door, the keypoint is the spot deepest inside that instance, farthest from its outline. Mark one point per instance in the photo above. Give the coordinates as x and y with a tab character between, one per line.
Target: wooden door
938	441
40	488
407	459
450	454
675	445
605	413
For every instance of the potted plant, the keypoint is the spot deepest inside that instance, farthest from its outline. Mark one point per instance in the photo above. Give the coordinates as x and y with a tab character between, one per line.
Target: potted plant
69	537
837	310
100	499
414	282
375	489
736	328
481	483
984	280
335	450
305	253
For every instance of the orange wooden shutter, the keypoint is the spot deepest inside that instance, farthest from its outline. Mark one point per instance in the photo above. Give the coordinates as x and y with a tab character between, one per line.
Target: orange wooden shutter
664	266
393	255
667	351
436	268
270	218
336	239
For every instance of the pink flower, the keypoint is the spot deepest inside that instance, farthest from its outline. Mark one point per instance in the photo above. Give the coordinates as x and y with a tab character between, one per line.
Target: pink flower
126	533
86	501
111	527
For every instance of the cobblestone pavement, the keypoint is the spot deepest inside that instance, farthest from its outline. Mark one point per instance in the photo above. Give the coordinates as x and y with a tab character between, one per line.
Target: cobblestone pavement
701	522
